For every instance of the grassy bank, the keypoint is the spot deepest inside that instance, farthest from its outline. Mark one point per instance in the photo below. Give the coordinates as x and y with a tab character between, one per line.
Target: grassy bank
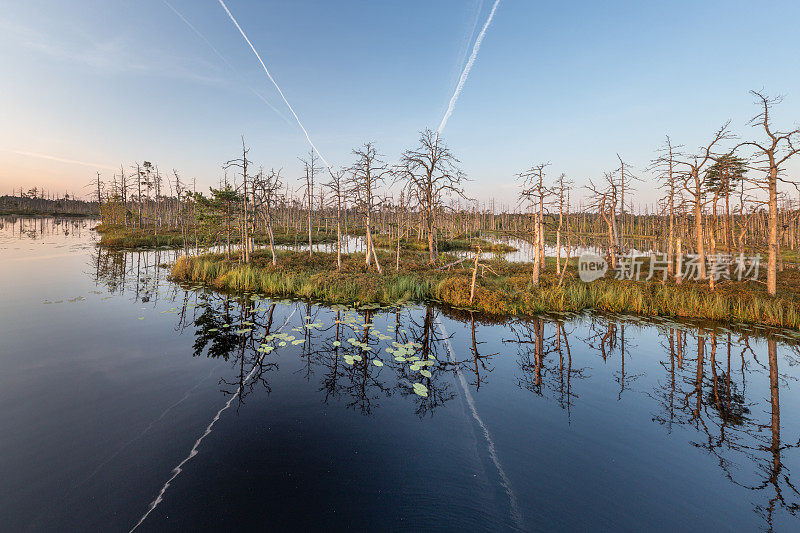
507	293
120	237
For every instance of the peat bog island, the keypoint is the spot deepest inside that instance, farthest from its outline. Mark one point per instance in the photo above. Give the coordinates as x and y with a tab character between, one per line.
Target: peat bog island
456	266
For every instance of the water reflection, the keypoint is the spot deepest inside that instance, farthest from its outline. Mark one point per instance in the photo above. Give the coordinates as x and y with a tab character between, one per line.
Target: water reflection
703	374
28	228
545	359
713	394
140	274
340	349
743	434
699	389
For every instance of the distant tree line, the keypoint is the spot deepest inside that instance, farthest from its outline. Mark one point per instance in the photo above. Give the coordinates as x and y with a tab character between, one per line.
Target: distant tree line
40	202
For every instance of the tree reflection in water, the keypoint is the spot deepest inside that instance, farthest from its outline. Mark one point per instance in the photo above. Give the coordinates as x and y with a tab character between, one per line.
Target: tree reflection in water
709	399
706	382
545	359
704	393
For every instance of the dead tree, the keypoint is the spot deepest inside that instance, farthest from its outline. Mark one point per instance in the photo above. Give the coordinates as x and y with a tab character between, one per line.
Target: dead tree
99	185
664	165
537	196
625	177
337	186
430	172
367	173
242	163
604	200
311	168
770	156
692	176
562	188
267	186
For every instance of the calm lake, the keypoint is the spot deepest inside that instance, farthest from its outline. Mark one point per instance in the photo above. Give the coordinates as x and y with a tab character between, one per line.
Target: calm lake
128	401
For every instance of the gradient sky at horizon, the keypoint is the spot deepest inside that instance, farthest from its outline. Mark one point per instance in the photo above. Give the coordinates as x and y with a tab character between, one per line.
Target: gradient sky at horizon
92	84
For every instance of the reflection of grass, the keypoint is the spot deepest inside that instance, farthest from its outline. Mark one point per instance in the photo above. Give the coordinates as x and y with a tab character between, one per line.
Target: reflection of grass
507	293
43	214
120	237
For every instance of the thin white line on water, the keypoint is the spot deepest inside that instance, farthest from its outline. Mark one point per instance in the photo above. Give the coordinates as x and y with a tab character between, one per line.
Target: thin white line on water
512	499
308	137
178	469
144	432
452	105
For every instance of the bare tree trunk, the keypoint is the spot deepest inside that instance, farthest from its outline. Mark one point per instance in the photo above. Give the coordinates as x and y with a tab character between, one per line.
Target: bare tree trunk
430	230
558	239
698	227
338	235
536	259
474	275
772	231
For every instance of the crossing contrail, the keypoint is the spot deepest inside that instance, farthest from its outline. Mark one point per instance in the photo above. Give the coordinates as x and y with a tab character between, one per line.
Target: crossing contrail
467	68
224	60
266	70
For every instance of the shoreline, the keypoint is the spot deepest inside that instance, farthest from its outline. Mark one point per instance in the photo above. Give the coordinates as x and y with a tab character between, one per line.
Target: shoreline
116	237
509	293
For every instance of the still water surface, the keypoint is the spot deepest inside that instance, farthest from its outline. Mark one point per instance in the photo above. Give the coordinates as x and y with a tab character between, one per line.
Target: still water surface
126	400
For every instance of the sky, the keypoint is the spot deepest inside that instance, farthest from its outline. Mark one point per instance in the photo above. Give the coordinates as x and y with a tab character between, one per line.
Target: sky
89	85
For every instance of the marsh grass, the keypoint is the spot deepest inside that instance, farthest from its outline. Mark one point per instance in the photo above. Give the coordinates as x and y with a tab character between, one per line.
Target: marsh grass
507	293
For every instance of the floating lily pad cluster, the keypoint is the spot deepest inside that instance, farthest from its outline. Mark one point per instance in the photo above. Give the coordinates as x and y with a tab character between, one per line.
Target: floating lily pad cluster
280	340
353	349
405	353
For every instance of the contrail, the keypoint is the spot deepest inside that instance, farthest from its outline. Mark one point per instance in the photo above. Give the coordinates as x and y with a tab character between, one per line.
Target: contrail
512	499
467	68
308	137
464	50
224	60
63	160
178	469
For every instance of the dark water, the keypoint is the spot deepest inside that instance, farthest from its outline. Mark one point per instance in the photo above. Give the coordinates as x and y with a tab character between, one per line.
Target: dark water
125	400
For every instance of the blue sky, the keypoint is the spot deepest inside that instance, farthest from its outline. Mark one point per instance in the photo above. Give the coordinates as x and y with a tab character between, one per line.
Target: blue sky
104	82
